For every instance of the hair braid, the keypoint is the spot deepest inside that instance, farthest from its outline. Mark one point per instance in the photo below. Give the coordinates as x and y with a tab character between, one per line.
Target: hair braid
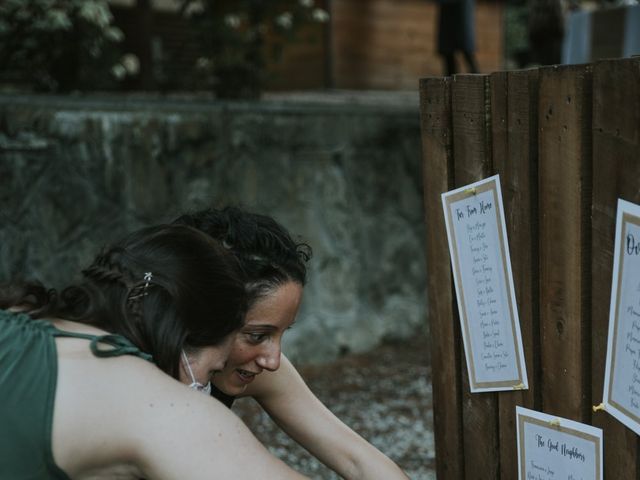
164	288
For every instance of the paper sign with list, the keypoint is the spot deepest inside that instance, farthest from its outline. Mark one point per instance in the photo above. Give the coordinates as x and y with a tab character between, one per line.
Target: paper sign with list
552	448
479	252
622	370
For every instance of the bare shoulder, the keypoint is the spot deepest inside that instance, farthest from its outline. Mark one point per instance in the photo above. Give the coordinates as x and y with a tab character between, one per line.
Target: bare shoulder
125	412
100	404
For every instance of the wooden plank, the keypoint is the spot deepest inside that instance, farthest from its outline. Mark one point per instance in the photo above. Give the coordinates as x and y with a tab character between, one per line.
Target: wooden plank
362	32
564	116
435	121
472	162
514	130
616	167
420	23
386	41
391	9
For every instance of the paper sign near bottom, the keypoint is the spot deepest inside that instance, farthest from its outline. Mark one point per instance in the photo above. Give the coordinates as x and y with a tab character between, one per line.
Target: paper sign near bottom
553	448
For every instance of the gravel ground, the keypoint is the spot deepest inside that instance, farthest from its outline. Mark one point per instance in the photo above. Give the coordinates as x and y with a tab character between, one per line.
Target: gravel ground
385	395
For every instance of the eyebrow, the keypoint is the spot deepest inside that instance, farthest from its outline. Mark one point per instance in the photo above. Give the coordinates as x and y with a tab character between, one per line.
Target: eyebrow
259	328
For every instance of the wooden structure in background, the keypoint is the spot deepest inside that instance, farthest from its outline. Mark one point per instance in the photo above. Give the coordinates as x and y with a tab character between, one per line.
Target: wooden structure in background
367	44
566	143
389	44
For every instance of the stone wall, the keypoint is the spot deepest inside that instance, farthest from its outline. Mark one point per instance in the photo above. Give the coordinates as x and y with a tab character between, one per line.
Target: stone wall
76	173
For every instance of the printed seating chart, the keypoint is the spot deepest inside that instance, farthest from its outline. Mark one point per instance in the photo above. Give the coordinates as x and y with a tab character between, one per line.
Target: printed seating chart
551	448
622	371
483	280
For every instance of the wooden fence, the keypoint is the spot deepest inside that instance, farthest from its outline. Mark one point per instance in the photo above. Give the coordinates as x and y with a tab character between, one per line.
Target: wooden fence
566	143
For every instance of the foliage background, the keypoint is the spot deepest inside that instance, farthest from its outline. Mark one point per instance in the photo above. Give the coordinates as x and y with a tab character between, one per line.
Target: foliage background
61	45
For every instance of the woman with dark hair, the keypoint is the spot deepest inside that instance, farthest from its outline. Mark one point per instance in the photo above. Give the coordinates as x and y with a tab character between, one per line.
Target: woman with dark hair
85	374
275	272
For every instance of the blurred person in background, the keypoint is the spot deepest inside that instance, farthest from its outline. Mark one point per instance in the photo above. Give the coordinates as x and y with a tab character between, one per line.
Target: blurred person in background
546	31
456	33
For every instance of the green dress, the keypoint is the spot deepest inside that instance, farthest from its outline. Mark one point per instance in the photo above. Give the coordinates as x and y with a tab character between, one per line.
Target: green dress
28	376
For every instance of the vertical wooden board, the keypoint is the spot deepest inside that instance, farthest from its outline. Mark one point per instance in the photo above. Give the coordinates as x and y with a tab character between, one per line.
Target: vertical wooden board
472	162
500	161
616	167
499	112
437	161
564	121
514	133
521	180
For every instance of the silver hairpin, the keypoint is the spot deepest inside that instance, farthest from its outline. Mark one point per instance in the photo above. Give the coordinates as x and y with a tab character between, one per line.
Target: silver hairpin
148	276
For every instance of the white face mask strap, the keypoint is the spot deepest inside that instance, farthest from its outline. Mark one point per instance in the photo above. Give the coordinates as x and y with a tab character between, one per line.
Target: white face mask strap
195	384
186	362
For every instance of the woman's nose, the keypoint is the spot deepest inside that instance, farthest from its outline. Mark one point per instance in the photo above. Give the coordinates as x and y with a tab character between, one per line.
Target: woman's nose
270	359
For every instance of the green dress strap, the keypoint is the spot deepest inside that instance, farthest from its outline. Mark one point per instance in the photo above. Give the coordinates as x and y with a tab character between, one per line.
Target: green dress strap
117	345
28	382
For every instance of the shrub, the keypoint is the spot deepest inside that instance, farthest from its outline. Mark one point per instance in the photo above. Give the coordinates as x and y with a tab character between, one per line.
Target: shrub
61	45
240	36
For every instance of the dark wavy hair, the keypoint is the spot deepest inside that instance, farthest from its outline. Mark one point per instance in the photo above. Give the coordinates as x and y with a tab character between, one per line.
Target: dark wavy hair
195	298
267	253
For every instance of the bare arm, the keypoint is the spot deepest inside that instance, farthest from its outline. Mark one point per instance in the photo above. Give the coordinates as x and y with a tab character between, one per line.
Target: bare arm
288	400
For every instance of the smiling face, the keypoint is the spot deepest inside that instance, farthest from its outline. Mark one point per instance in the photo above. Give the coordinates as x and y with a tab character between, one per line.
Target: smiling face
257	345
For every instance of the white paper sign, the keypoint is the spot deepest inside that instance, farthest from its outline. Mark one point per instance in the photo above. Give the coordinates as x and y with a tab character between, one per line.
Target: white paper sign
622	371
479	253
552	448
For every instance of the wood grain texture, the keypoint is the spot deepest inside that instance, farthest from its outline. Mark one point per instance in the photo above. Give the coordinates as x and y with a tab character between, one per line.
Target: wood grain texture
471	119
514	131
616	174
566	143
564	116
437	161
